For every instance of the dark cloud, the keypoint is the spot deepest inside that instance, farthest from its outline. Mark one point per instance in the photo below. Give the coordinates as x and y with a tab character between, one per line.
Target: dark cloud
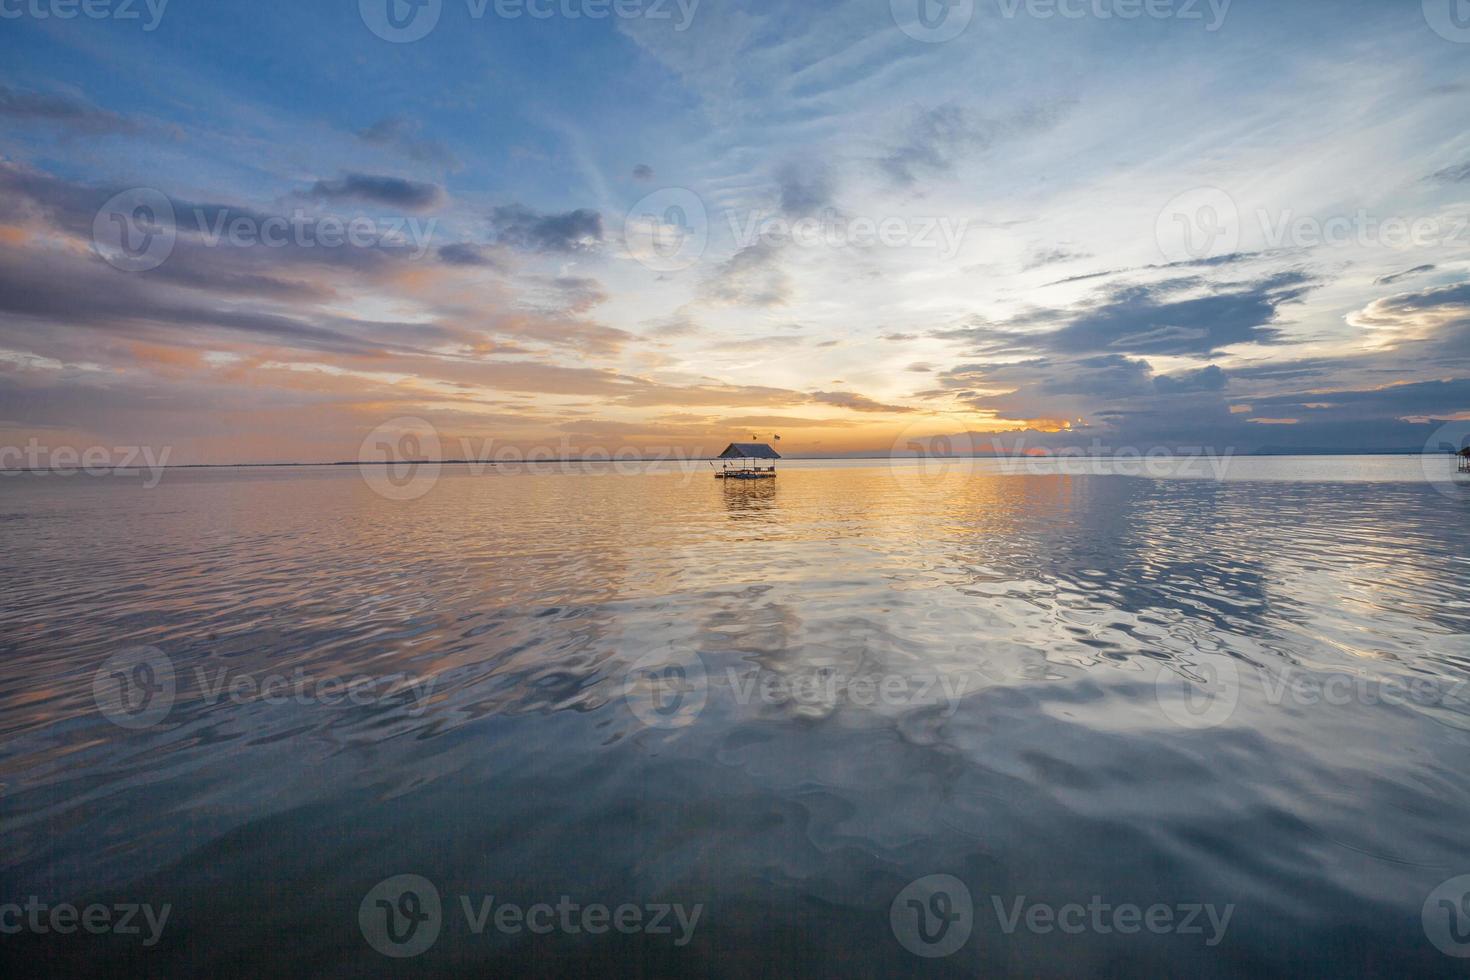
674	325
1392	278
805	187
1211	262
751	277
580	293
770	342
467	253
1209	378
1181	317
63	110
855	402
394	192
934	139
642	172
75	292
529	230
1052	256
1151	320
403	136
1457	174
1422	399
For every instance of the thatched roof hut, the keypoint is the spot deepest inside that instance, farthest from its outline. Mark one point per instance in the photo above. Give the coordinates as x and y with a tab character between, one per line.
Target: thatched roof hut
749	450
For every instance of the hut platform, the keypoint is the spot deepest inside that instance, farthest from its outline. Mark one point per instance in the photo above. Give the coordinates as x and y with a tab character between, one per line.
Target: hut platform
769	474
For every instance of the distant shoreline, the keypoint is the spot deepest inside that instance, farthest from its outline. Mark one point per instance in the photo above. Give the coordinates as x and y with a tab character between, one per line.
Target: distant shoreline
1267	454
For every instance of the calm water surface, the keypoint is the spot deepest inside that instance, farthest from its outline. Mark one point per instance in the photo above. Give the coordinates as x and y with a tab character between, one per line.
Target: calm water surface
783	701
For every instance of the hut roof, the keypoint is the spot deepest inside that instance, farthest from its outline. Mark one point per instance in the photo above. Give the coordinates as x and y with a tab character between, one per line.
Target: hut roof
748	450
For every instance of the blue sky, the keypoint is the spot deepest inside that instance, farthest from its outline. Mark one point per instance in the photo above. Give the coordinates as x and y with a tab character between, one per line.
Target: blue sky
1237	225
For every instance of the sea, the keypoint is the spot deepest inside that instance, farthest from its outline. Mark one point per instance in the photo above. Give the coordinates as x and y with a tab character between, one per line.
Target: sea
1053	717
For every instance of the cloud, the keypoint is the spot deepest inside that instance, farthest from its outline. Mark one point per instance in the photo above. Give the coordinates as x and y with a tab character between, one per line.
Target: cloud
1211	262
402	136
856	402
1438	317
1052	256
469	254
642	172
757	343
1209	378
1457	174
394	192
1164	319
934	139
751	277
533	231
673	325
1388	280
1421	399
63	110
805	187
580	293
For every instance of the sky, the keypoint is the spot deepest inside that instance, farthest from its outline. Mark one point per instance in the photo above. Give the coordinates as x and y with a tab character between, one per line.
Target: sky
274	232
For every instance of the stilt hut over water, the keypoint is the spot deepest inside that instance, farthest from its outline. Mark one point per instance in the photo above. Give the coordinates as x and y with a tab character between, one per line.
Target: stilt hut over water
1464	455
742	461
